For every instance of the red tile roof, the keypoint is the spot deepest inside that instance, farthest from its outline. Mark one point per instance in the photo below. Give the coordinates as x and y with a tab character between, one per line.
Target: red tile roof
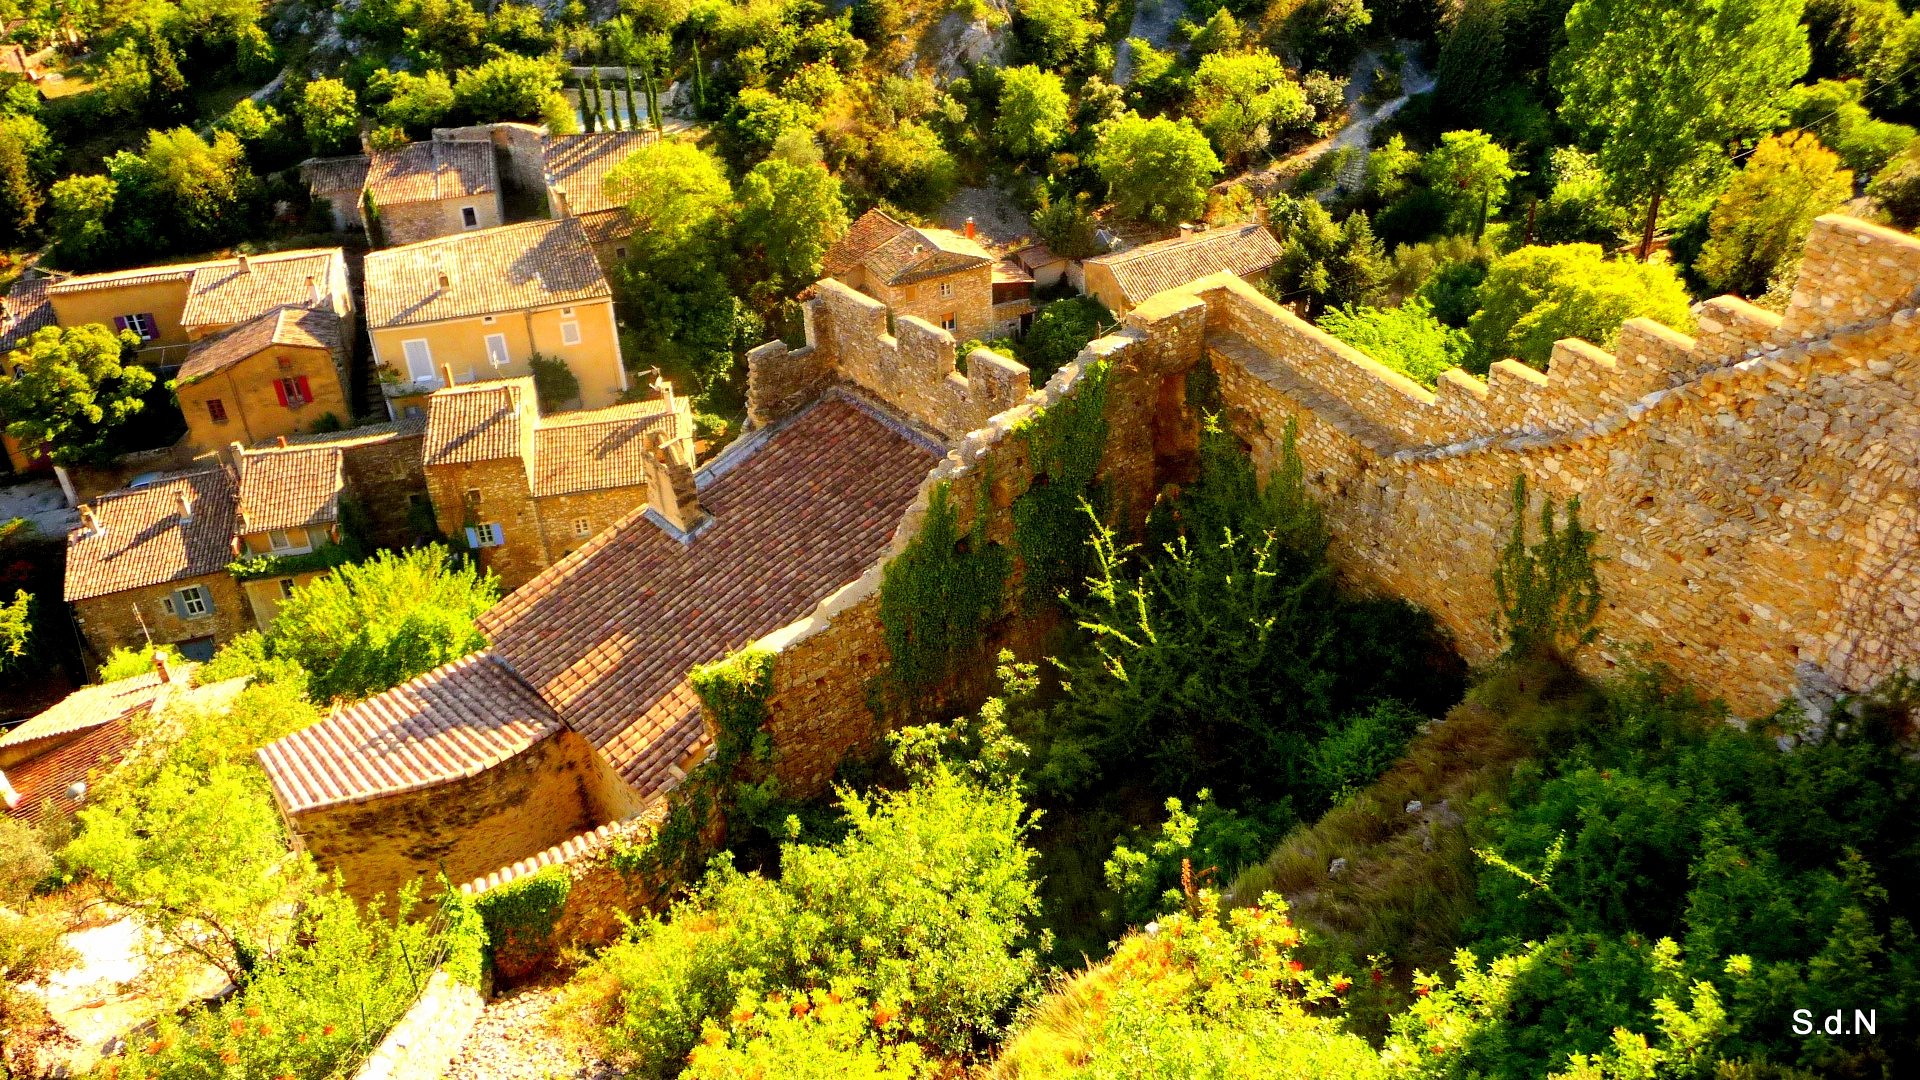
451	723
899	254
430	171
579	164
235	290
27	310
608	634
295	488
49	775
89	706
1169	264
143	541
511	268
603	448
298	327
484	421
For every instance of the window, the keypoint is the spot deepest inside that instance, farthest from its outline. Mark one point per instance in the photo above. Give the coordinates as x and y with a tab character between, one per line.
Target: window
570	333
489	320
286	588
620	253
946	289
192	602
414	411
419	360
473	497
293	392
486	534
141	324
582	527
566	313
469	217
280	540
497	350
948	322
217	410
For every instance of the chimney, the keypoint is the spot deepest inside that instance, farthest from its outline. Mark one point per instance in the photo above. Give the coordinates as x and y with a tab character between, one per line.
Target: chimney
161	667
446	280
664	389
89	522
246	265
1186	229
557	201
969	228
280	441
238	453
446	374
315	296
670	490
186	504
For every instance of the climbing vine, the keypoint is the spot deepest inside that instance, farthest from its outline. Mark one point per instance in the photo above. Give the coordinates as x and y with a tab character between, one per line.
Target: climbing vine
939	593
464	937
1548	593
523	912
1064	446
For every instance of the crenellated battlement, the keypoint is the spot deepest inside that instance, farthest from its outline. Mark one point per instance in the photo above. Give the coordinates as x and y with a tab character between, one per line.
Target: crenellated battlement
912	368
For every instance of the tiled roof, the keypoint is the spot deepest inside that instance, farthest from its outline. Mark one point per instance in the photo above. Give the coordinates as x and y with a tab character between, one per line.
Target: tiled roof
485	421
862	238
37	779
142	540
1035	256
608	633
28	309
1169	264
579	164
607	226
365	433
453	722
302	327
89	706
235	290
1010	272
333	176
430	171
910	254
512	268
120	279
295	488
591	451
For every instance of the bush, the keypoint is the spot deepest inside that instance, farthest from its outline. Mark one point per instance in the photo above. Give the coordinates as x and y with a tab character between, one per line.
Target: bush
1407	339
1059	332
1538	295
126	663
554	383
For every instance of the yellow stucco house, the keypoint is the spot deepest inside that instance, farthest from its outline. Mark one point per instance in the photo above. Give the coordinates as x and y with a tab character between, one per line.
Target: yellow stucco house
480	305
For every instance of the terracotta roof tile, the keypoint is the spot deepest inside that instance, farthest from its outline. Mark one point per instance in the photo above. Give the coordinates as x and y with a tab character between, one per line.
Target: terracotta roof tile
579	165
333	176
486	421
31	783
300	327
142	540
1169	264
607	226
295	488
917	254
862	238
236	290
430	171
89	706
120	279
608	634
603	448
453	722
511	268
28	309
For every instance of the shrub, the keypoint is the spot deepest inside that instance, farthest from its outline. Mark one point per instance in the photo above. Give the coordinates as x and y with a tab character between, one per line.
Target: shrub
125	663
1407	339
1059	332
554	383
1538	295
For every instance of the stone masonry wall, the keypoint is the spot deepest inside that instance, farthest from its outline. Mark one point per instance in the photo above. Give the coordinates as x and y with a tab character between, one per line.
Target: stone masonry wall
911	370
425	1040
504	499
384	472
554	790
108	622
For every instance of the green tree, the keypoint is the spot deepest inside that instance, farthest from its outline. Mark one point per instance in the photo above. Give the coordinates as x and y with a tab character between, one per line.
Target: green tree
1059	332
1033	111
73	386
1057	32
186	192
1538	295
331	115
1408	338
1321	263
32	947
510	88
1667	84
1580	209
1222	33
671	188
907	166
1832	110
789	216
1759	223
1243	99
370	626
414	102
124	82
1897	189
1156	170
167	99
16	630
1470	172
1388	169
25	157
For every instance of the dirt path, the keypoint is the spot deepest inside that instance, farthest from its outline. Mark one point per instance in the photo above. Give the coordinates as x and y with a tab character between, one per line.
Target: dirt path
1152	20
511	1041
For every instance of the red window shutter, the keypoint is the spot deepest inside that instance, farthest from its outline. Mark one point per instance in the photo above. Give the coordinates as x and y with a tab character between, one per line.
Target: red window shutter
280	388
306	392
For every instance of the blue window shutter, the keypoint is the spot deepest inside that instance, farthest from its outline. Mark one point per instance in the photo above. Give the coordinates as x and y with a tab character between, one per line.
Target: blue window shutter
473	537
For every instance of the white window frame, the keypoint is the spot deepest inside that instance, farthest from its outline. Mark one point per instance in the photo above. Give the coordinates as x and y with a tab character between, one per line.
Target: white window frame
142	323
423	356
486	534
582	527
286	588
280	540
192	596
469	217
570	333
497	354
946	289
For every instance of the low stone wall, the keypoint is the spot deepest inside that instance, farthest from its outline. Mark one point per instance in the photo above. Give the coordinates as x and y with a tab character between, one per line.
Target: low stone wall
423	1043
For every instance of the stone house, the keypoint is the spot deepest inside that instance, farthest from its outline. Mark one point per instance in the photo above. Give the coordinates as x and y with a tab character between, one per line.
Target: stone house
277	374
47	760
171	306
525	490
576	177
419	191
483	304
289	505
944	277
1125	278
150	565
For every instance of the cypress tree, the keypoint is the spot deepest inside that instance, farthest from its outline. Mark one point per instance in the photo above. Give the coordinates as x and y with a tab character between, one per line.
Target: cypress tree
699	82
593	110
631	111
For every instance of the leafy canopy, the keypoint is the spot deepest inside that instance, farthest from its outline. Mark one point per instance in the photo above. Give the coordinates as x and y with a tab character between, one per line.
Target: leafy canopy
1408	338
1033	111
1758	224
1538	295
73	387
1156	170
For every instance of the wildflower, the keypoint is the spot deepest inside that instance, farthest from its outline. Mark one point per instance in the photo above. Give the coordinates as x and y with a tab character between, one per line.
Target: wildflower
1421	990
328	1030
884	1015
741	1016
265	1030
229	1057
253	1011
1340	984
713	1037
1439	1049
802	1007
236	1027
1295	965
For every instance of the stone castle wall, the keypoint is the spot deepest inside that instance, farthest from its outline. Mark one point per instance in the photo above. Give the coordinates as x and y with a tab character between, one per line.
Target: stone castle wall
1757	489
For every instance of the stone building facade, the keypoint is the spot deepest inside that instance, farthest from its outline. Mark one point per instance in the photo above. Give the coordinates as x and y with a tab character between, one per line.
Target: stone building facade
935	275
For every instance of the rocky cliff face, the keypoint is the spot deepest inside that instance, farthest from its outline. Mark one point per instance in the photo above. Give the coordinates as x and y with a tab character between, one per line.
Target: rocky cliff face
977	34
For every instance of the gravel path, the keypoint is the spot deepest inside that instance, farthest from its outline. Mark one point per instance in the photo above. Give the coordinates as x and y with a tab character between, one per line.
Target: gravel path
511	1041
